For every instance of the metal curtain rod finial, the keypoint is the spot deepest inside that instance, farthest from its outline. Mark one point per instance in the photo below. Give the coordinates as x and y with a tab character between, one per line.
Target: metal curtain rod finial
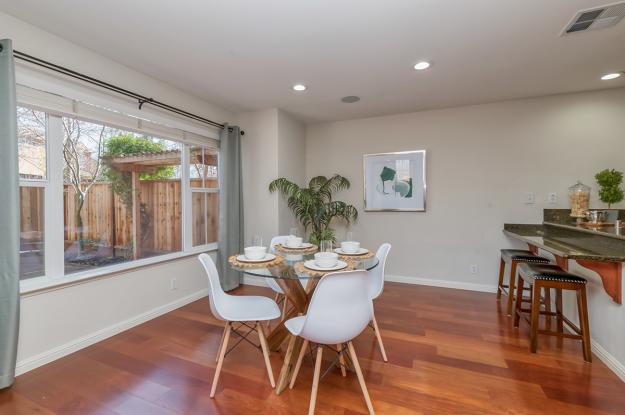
110	87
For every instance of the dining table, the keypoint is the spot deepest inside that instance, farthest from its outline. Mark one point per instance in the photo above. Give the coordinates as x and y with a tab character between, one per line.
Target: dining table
298	284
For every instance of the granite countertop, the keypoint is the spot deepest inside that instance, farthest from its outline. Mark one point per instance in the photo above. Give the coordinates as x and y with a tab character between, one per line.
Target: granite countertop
569	241
561	218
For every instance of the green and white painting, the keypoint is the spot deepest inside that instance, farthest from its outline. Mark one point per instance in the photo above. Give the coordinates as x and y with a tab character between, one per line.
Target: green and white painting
395	181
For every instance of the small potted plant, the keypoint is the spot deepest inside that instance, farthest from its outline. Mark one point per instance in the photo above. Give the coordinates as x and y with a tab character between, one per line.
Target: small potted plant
610	190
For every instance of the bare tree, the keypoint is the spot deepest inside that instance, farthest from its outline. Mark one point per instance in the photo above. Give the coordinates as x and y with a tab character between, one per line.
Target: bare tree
81	169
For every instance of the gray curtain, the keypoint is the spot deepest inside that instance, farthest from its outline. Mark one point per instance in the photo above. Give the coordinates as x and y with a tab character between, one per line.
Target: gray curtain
9	218
230	206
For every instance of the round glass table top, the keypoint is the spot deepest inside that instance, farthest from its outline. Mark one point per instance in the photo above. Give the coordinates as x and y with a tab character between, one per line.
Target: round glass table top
287	270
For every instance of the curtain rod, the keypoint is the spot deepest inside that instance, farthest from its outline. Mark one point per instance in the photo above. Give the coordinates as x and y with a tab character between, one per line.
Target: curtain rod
97	82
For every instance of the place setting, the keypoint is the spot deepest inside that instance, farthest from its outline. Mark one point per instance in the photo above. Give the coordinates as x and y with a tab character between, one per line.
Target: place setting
324	261
350	249
295	244
255	256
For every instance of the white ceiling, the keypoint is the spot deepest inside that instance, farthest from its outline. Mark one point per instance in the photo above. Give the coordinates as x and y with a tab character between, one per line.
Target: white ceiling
246	55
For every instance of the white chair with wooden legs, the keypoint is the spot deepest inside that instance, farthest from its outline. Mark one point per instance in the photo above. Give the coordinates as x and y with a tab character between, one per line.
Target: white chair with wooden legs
377	287
242	309
340	309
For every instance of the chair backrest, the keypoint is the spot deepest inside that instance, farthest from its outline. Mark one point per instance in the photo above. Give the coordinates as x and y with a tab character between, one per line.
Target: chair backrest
377	273
340	308
277	240
216	295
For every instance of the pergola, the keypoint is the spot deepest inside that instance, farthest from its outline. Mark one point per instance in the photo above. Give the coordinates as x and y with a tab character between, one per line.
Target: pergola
149	162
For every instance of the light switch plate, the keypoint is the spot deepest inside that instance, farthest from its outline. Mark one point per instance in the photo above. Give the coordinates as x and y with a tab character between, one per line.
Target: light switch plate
553	198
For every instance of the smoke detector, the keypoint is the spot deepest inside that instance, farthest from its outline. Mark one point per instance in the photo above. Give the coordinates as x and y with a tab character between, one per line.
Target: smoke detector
596	18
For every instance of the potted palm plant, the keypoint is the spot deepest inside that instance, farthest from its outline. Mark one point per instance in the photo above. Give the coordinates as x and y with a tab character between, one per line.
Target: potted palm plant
314	206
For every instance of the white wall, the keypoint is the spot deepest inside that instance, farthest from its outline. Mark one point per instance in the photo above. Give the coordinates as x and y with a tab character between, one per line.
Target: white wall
54	323
481	160
273	146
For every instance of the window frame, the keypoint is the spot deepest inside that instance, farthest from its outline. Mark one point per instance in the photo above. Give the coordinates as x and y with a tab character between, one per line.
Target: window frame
54	263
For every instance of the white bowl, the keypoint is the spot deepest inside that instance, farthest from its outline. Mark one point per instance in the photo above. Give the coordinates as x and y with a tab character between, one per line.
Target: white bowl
326	259
350	247
255	252
294	242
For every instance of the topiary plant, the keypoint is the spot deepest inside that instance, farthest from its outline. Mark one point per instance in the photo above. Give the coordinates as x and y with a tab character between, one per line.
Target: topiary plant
610	190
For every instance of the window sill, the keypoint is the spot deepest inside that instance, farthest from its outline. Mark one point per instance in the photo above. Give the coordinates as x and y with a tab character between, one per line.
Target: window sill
34	286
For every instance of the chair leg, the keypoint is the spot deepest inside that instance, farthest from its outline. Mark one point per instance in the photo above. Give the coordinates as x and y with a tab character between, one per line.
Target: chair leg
519	301
284	301
302	352
559	320
263	345
502	267
511	285
582	308
535	317
361	378
220	361
547	298
221	342
315	385
339	347
379	336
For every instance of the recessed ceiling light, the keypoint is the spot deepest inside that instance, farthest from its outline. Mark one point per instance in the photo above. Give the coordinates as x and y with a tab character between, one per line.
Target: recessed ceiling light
299	87
419	66
350	99
609	76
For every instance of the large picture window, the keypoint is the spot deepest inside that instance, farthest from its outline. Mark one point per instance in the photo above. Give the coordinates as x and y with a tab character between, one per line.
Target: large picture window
121	195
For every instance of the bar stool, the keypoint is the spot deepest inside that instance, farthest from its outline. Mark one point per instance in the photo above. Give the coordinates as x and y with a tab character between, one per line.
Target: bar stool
538	277
515	257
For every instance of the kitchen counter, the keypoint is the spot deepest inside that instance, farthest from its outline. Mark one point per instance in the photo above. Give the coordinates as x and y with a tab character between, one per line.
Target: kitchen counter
597	251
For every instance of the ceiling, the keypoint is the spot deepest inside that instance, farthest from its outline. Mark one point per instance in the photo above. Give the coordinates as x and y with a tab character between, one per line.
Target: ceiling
246	55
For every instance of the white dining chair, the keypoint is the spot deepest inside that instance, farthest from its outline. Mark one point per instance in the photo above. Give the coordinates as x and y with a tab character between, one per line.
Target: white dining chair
339	310
377	287
242	309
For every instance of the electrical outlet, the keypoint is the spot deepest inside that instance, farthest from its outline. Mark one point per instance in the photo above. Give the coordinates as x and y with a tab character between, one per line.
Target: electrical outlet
553	198
473	269
173	284
529	198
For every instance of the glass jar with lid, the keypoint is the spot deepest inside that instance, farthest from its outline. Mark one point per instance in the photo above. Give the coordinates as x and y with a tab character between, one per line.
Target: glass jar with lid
579	196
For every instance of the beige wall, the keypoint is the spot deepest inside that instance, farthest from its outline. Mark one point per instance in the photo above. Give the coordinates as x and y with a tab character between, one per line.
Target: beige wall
480	162
291	163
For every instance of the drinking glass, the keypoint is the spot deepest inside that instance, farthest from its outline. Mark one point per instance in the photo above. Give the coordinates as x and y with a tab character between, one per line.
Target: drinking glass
349	236
294	232
325	246
257	240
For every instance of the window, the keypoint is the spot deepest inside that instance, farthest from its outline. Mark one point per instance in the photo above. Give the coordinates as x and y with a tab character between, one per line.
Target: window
121	196
204	184
112	196
32	149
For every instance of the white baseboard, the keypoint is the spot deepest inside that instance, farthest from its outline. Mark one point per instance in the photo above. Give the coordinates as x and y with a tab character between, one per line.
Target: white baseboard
487	288
610	361
58	352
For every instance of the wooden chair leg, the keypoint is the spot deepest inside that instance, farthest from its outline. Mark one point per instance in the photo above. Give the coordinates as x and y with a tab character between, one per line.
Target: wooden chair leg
265	348
535	317
220	360
547	304
559	320
361	378
339	347
582	307
315	385
302	352
379	336
518	302
502	267
511	286
221	342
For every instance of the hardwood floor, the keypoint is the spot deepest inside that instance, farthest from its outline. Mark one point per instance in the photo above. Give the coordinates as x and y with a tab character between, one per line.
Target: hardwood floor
449	352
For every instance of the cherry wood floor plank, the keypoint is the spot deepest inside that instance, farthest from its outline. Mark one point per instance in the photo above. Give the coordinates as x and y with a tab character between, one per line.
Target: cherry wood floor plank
450	352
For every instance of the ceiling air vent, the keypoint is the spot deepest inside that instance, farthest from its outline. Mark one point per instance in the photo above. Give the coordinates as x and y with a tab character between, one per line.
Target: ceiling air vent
598	18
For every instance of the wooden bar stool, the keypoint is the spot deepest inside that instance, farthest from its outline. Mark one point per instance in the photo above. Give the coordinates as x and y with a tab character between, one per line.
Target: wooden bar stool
538	277
515	257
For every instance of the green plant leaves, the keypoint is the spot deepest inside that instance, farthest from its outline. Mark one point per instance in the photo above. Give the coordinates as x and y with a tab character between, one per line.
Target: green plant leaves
610	190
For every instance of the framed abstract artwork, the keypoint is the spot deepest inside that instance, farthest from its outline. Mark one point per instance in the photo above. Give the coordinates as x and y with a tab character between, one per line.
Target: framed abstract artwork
395	181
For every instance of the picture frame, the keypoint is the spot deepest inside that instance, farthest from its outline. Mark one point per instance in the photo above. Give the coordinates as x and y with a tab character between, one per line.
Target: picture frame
395	182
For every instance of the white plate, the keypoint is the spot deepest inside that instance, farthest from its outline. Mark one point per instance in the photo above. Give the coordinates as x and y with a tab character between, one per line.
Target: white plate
268	257
361	251
304	245
310	264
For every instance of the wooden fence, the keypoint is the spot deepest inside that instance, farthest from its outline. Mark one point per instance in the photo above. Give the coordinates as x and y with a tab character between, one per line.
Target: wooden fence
107	221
